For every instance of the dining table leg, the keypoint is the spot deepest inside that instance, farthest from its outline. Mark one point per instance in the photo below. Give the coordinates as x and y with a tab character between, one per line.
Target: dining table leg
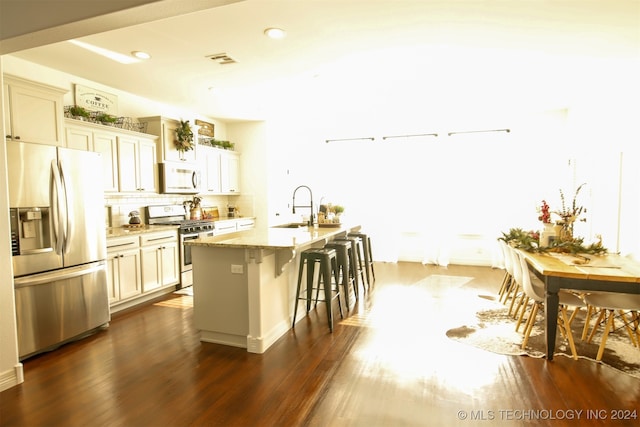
551	315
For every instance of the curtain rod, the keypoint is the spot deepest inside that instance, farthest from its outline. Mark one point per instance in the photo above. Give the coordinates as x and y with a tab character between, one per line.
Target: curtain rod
410	136
479	131
350	139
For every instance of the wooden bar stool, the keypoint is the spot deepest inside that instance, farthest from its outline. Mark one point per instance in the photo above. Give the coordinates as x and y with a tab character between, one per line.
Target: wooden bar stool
343	253
367	257
327	260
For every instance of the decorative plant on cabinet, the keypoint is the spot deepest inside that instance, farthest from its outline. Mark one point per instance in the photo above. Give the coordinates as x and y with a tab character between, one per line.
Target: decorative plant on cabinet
184	138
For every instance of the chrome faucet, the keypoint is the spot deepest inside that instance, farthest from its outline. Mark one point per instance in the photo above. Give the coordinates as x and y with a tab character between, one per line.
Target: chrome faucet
311	217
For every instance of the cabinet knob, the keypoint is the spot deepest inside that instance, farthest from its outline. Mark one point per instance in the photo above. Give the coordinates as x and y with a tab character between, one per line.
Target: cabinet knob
17	137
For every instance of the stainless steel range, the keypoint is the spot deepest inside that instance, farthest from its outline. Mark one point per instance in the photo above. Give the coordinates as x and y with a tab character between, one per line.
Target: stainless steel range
188	230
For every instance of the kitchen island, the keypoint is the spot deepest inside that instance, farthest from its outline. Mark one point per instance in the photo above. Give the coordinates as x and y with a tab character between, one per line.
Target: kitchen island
244	283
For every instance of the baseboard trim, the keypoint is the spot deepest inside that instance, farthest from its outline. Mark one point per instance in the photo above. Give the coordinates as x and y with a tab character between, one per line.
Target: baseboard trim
12	377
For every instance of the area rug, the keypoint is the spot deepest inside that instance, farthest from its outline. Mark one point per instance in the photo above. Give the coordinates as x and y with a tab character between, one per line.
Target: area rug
494	331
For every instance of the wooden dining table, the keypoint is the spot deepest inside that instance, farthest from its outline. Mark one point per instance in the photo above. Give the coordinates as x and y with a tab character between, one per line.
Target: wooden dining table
580	273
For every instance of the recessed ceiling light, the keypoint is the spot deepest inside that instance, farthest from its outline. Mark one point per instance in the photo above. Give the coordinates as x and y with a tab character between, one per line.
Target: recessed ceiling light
140	55
275	33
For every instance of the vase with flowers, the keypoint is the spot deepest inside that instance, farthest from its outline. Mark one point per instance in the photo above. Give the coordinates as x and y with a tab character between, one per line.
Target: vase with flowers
547	234
569	215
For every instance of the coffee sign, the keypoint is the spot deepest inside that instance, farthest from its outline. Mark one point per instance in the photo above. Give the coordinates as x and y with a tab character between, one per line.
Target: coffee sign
96	100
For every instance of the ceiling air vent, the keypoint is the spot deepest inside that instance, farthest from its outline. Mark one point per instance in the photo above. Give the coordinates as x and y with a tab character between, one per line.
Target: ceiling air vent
221	58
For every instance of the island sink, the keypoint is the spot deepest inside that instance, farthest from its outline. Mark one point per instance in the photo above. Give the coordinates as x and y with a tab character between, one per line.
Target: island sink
292	225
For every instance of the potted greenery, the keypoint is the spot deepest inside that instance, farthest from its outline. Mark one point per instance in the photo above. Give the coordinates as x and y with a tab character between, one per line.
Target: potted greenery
226	145
79	113
106	119
184	137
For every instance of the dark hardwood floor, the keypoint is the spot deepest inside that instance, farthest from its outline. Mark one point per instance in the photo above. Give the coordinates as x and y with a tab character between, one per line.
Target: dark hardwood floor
388	364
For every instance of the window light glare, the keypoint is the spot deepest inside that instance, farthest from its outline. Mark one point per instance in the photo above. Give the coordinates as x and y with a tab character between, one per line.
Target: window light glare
275	33
140	54
123	59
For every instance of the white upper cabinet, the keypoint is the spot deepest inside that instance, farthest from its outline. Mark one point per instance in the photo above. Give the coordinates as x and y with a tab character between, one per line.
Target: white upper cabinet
91	138
165	128
137	164
210	163
34	112
221	170
230	172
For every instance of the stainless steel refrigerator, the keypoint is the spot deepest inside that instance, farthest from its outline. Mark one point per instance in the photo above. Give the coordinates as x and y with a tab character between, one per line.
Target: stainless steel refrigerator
58	238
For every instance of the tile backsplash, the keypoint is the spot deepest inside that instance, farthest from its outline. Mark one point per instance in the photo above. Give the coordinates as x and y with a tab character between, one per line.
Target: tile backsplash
117	207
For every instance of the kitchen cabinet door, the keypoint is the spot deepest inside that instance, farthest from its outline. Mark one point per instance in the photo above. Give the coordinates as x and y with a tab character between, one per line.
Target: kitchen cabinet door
165	128
106	144
79	139
160	263
88	139
170	264
147	167
230	172
151	268
159	266
34	112
136	165
128	164
123	273
130	275
210	158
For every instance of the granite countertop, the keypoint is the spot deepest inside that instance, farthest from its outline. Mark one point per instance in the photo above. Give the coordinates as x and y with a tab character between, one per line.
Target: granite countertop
272	238
123	231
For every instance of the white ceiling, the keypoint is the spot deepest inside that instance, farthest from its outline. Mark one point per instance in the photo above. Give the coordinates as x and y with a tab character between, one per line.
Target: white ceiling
357	53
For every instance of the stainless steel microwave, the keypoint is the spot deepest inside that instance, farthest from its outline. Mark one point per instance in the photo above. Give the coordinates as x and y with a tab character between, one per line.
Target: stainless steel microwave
179	178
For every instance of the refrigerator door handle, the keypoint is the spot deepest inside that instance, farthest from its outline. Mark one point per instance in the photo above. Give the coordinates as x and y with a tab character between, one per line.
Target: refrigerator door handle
67	219
67	273
55	189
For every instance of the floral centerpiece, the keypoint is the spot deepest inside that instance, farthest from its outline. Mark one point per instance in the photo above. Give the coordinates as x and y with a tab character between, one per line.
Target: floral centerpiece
184	137
532	241
569	215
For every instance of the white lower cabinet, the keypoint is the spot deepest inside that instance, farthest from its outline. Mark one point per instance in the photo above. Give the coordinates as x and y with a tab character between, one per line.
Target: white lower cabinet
160	264
225	227
245	223
123	268
140	266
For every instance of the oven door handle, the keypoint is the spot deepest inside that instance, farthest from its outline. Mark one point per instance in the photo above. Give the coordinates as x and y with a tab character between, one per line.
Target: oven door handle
189	236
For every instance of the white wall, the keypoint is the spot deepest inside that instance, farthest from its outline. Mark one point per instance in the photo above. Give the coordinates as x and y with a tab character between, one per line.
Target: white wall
464	189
